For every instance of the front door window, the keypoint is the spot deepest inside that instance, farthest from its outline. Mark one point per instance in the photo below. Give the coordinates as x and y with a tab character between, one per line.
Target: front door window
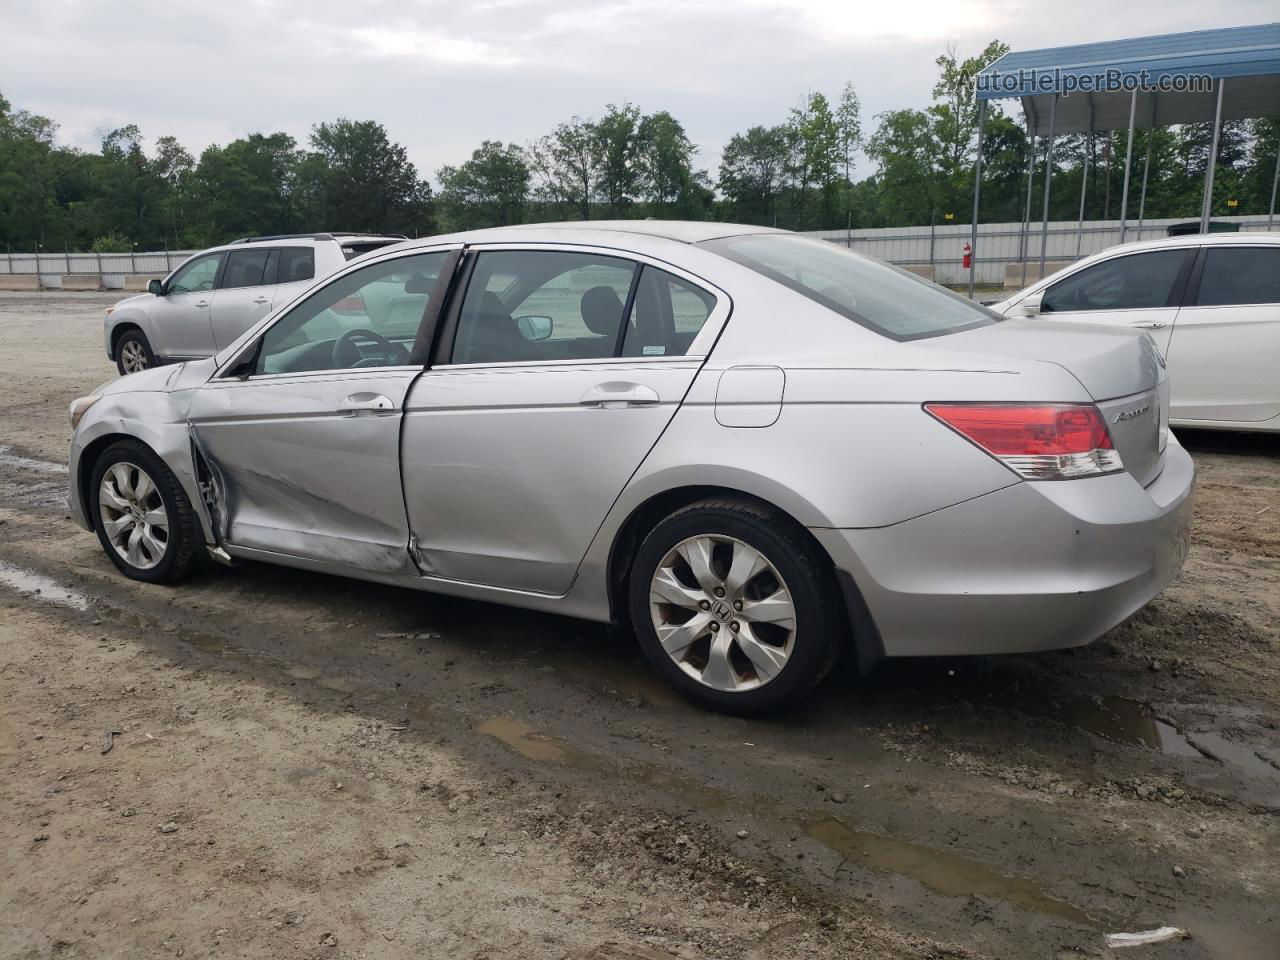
196	276
368	318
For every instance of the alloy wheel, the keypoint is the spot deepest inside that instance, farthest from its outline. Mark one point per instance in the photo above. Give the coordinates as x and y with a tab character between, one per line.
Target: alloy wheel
133	515
133	357
723	613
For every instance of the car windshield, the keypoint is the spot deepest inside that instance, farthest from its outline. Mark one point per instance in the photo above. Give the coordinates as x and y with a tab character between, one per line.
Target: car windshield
877	295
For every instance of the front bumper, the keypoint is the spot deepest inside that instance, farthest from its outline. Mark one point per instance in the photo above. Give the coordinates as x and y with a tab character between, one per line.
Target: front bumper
1034	566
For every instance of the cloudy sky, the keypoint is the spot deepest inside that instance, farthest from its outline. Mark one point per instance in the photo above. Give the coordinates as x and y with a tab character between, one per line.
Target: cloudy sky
442	75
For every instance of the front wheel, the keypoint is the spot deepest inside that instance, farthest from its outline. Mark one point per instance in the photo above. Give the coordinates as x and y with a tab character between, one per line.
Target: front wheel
736	606
143	517
133	353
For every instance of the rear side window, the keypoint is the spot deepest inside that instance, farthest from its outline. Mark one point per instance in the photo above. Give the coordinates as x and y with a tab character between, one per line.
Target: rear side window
244	268
293	264
1135	282
1239	275
881	297
667	314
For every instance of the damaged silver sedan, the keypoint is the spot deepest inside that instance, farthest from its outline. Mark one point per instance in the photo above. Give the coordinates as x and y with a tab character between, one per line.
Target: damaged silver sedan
755	447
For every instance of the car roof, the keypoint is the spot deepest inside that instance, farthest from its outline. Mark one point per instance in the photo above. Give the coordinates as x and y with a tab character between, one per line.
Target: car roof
1192	240
320	237
681	231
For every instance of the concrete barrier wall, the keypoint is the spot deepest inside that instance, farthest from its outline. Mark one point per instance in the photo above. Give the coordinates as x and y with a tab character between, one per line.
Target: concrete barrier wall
19	282
81	281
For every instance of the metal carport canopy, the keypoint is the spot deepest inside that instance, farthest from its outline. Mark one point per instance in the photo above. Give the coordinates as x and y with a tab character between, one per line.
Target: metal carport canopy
1248	56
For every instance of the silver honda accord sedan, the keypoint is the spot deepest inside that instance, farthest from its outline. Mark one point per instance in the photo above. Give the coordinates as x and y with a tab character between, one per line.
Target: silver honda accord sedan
756	448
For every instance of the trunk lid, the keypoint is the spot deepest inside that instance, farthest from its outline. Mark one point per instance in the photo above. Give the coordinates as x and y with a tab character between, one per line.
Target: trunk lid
1120	368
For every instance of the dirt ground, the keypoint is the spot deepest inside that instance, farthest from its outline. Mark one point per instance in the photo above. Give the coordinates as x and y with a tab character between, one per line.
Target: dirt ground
302	766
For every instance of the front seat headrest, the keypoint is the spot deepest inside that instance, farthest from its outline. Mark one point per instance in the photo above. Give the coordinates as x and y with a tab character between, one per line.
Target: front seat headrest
602	311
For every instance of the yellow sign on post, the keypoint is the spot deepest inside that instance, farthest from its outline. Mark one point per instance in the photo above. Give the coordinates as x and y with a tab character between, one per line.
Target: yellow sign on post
1233	202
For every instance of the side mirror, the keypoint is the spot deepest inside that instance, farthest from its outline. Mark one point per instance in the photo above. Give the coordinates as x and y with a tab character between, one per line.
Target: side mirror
534	327
155	288
1030	307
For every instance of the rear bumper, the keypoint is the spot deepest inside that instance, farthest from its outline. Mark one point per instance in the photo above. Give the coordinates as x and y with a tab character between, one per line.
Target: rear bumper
1034	566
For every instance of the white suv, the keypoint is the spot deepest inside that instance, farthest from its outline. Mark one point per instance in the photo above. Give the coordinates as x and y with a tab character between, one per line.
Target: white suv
219	293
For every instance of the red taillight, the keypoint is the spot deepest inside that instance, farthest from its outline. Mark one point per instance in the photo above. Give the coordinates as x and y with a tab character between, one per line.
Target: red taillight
1051	441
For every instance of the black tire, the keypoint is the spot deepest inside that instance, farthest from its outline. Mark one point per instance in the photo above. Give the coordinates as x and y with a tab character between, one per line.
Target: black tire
136	341
183	541
820	624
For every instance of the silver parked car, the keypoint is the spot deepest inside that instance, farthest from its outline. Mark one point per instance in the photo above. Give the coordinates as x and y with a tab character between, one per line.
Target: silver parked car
218	294
754	446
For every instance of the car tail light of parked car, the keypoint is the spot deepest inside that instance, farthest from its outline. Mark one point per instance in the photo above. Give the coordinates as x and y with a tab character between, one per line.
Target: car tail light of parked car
352	306
1058	441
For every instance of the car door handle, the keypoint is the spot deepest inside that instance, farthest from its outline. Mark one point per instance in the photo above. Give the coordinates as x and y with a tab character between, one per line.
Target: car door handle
260	300
366	405
619	393
1152	325
202	303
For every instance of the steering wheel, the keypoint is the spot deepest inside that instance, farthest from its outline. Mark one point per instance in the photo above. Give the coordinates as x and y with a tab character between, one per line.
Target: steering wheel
346	355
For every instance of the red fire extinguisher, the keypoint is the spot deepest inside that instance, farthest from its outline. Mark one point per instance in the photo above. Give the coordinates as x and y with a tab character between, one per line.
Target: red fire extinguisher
968	256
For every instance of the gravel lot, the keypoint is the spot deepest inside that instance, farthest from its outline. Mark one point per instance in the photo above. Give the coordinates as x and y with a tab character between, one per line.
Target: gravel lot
310	767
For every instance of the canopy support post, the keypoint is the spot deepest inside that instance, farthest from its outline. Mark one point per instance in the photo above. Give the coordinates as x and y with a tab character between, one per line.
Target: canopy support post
1128	159
1048	180
1029	108
977	192
1275	180
1207	206
1146	166
1084	180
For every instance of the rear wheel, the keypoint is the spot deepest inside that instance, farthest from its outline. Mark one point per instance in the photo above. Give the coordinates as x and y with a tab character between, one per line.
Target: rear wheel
143	517
133	353
735	606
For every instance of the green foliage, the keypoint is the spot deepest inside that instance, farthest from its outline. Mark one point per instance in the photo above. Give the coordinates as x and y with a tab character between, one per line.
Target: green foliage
490	189
111	243
796	173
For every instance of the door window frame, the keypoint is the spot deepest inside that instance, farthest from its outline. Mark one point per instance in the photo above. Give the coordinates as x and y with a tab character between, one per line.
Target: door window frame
229	371
1177	292
699	349
1197	273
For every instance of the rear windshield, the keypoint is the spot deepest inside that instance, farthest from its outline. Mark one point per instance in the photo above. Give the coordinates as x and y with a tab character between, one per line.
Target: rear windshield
875	294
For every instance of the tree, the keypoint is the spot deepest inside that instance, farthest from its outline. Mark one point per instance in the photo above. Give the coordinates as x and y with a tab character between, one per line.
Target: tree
666	178
848	120
28	178
753	172
357	179
617	153
488	190
246	188
815	141
907	152
565	163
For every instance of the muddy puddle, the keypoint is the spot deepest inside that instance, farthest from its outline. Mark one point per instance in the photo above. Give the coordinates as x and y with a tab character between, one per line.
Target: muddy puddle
946	873
533	745
41	587
1130	722
10	458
